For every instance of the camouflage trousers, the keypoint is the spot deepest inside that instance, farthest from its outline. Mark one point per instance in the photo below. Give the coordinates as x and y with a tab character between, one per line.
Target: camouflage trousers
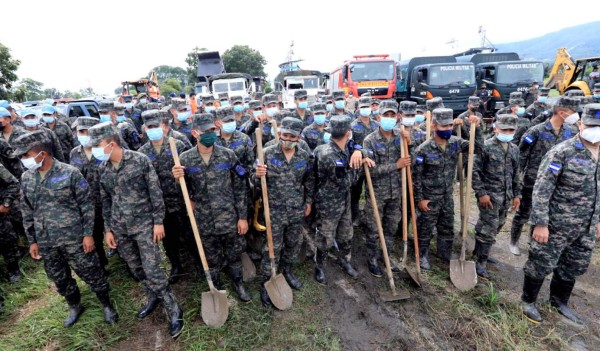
390	213
440	217
522	215
334	225
287	241
98	235
142	256
490	221
568	253
58	262
224	249
8	241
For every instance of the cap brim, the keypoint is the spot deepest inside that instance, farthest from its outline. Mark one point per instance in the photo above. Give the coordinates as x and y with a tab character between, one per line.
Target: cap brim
78	127
207	126
505	126
152	124
289	131
19	151
382	111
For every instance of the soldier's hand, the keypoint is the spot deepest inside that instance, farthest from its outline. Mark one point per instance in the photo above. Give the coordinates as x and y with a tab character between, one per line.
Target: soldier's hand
458	122
405	135
516	204
261	170
356	159
486	202
88	244
403	162
34	251
178	171
159	233
242	225
307	211
474	120
424	205
109	239
598	231
370	163
4	209
540	234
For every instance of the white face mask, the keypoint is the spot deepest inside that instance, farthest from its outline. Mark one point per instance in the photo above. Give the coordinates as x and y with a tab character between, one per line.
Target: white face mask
30	163
408	121
572	119
591	134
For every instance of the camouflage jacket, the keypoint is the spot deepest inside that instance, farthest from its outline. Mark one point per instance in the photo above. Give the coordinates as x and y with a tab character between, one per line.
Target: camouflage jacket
566	193
12	164
65	137
534	110
290	183
333	176
241	145
130	135
184	128
131	195
496	172
360	130
9	187
313	136
57	151
181	137
217	189
249	128
240	122
89	170
523	124
57	209
466	126
534	145
301	144
163	164
136	117
386	177
434	168
308	117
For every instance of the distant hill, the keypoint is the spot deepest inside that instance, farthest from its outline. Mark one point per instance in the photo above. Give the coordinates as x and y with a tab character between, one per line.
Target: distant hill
581	41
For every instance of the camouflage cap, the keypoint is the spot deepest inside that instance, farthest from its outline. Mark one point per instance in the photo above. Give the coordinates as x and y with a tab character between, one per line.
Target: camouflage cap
596	87
434	103
223	96
278	116
506	121
237	99
591	115
224	112
300	94
387	106
120	108
516	101
178	104
165	114
258	95
421	108
567	102
337	95
375	101
575	92
151	118
203	121
544	91
83	123
327	98
408	107
318	107
515	95
291	125
28	141
269	99
153	106
443	116
474	100
208	99
364	101
100	132
339	124
106	106
254	104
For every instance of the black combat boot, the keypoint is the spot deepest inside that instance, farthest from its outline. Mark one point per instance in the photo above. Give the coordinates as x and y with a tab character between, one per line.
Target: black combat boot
215	275
175	274
264	296
238	284
482	253
444	250
174	313
531	289
355	211
424	255
560	292
345	249
290	278
515	235
374	268
110	315
320	267
14	275
151	303
75	308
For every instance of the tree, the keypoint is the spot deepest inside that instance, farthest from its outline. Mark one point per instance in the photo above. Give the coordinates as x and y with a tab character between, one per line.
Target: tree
52	93
244	59
72	94
31	88
87	92
165	72
8	67
171	85
192	65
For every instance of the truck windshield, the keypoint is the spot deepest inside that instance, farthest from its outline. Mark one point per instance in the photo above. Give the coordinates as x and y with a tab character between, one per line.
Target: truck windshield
236	86
364	71
311	83
510	73
220	87
451	74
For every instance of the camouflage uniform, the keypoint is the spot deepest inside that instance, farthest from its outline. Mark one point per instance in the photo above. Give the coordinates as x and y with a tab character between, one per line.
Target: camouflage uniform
536	108
305	115
57	151
240	117
65	137
512	96
183	127
9	194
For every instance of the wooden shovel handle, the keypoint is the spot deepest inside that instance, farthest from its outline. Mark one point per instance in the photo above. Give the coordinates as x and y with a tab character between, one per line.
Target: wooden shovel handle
428	125
413	212
403	152
265	194
468	190
275	130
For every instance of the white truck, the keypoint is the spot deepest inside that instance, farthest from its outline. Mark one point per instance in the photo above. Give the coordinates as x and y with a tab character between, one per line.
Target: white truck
234	84
290	82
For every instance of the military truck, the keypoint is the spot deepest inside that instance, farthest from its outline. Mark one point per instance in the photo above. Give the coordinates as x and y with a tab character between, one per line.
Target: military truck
289	82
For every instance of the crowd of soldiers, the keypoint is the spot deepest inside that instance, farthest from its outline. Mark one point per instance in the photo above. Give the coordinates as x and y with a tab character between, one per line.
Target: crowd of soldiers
73	185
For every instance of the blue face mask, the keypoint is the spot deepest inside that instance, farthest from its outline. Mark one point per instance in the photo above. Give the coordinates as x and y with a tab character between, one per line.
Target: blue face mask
48	120
155	134
388	123
238	108
329	107
375	112
120	119
419	118
143	101
444	134
542	99
225	104
99	154
365	111
326	137
319	119
271	111
596	96
105	118
303	105
339	104
210	109
183	116
30	123
505	138
229	127
84	140
521	111
256	113
129	105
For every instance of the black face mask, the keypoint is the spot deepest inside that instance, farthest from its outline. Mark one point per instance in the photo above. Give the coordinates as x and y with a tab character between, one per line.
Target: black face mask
1	127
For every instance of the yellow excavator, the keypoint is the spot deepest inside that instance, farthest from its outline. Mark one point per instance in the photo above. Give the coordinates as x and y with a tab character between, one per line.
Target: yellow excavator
571	74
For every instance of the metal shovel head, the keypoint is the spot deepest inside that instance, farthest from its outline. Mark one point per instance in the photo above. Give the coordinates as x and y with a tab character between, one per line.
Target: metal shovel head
388	295
413	276
463	274
279	292
248	268
215	309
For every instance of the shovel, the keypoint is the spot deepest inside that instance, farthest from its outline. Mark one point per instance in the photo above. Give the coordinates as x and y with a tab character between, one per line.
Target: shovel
428	124
413	213
461	180
462	273
214	302
277	287
395	294
248	268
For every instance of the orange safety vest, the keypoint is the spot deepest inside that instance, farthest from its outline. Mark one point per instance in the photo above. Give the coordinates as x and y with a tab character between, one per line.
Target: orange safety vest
153	91
193	105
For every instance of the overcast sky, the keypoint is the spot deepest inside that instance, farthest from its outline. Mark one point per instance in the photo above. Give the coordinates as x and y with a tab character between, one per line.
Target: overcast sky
75	44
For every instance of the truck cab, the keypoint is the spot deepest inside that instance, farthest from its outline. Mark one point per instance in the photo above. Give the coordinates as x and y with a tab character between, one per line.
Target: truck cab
234	84
291	84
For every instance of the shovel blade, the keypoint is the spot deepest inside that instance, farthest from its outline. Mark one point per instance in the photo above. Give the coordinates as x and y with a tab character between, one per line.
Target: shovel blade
463	274
248	268
389	296
279	292
413	276
215	309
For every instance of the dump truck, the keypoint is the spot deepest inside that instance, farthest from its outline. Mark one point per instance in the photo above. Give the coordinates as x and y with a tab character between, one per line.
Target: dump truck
568	73
289	81
213	79
372	74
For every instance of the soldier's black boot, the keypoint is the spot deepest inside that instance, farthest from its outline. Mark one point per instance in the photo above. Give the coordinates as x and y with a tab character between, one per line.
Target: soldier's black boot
290	277
264	296
110	315
531	289
345	249
151	303
374	268
75	308
14	275
238	284
482	254
320	267
175	274
174	313
515	234
560	292
355	211
424	255
215	275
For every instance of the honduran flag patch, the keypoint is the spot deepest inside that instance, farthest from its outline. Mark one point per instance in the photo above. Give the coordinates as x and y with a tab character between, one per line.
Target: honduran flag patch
419	159
529	139
554	167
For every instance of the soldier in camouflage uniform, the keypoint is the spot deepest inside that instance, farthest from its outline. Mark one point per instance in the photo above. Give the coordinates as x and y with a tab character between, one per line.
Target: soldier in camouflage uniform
302	111
239	113
328	101
472	110
181	120
140	106
433	176
134	114
497	185
62	131
269	110
166	119
335	172
9	194
58	219
278	117
133	210
32	124
384	145
408	109
230	138
565	216
121	118
217	185
538	107
507	109
596	93
129	135
534	144
339	105
517	107
290	183
314	133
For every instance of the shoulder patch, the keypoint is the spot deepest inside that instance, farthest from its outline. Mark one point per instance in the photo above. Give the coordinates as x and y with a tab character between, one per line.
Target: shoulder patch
567	134
239	170
300	164
77	160
222	166
554	167
83	184
236	144
434	156
547	136
192	170
58	178
340	163
529	139
419	159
